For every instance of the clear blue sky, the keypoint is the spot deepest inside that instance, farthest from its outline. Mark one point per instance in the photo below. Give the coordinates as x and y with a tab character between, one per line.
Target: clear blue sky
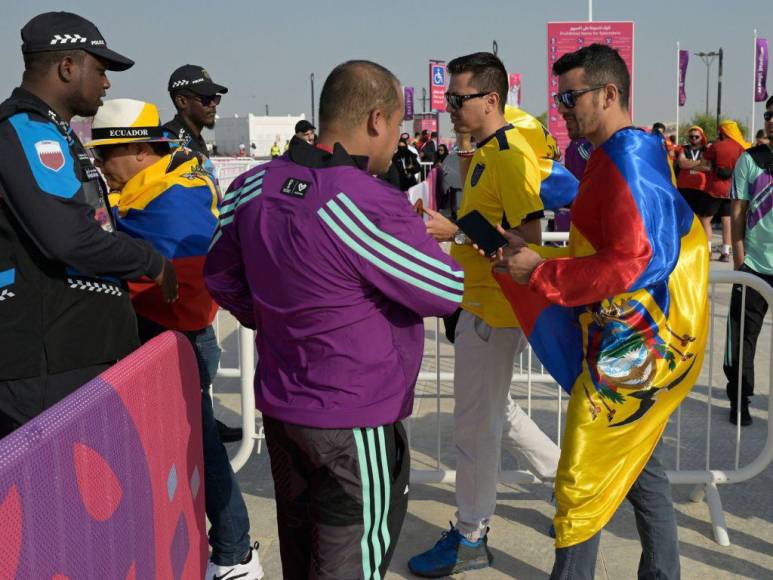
264	50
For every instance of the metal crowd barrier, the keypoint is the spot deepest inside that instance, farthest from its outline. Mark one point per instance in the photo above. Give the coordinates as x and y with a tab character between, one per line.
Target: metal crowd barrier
528	372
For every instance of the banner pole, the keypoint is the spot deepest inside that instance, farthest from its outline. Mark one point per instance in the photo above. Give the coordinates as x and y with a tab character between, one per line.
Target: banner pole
678	87
754	87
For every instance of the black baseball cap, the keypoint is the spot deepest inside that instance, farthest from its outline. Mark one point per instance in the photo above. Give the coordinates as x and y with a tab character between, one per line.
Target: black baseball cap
303	126
193	78
58	31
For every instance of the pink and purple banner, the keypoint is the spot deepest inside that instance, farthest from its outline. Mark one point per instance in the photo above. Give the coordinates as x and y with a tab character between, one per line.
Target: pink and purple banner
684	58
109	482
408	94
564	37
514	92
761	70
437	85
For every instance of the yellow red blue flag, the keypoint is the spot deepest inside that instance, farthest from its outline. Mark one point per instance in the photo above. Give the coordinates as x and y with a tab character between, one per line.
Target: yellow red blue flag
619	318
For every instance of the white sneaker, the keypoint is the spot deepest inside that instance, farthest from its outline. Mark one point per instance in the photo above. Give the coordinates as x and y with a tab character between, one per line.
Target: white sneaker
248	569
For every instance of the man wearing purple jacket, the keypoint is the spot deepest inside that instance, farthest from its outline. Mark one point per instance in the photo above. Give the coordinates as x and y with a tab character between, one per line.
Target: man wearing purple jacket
335	271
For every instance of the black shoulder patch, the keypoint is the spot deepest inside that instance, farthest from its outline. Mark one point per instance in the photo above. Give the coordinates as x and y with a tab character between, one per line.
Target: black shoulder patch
476	173
295	187
502	140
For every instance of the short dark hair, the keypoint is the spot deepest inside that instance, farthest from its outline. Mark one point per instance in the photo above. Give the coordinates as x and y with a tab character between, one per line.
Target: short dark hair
353	89
658	126
37	64
602	64
769	103
488	73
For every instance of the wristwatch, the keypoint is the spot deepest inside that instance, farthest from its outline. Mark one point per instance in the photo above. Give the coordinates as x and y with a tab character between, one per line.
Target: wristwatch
460	238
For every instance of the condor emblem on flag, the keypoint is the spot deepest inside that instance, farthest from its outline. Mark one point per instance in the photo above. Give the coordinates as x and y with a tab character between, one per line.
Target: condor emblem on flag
50	154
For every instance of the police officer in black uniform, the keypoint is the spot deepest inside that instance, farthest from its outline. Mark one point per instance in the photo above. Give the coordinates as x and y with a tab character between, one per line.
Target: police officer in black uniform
65	315
195	99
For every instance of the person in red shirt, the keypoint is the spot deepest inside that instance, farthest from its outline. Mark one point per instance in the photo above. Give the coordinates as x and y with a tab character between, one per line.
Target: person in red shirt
721	158
693	178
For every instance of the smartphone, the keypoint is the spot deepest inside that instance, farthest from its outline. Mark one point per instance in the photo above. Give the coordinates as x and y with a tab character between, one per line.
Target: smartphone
481	232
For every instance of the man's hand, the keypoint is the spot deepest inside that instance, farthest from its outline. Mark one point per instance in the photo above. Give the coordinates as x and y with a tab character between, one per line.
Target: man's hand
167	280
514	243
440	227
519	264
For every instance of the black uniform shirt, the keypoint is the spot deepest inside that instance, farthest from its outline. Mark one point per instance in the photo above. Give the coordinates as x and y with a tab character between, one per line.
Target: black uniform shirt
61	260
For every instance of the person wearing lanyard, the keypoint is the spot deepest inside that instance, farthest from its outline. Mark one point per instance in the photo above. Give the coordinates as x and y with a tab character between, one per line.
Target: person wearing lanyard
693	178
65	314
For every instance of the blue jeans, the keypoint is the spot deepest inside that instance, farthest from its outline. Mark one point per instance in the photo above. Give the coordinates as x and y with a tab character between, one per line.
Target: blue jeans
656	523
229	534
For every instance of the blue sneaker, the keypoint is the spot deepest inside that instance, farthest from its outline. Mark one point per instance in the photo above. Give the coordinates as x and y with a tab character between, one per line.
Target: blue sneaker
452	554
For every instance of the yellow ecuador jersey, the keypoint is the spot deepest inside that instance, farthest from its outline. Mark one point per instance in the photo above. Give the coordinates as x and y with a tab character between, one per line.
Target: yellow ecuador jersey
503	184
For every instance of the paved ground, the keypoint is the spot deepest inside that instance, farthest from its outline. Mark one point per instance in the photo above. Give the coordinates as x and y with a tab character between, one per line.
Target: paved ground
521	547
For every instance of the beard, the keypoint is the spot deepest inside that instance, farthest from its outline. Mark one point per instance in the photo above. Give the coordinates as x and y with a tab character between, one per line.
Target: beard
84	107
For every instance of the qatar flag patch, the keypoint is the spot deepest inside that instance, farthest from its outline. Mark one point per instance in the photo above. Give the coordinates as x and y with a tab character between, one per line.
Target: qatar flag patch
50	154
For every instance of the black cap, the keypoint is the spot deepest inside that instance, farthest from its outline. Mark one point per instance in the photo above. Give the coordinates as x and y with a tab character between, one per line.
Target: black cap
193	78
303	126
58	31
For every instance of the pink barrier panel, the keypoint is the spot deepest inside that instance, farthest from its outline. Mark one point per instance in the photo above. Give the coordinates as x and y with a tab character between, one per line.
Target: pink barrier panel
109	483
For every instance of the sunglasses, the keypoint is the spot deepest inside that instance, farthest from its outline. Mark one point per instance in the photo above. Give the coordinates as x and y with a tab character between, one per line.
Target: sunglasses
457	101
103	152
693	136
768	115
569	98
209	100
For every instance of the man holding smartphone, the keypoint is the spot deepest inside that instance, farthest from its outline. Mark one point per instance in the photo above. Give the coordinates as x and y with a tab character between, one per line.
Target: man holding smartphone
619	318
502	184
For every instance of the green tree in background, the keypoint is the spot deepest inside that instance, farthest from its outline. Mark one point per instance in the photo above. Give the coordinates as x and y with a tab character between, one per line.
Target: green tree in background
709	125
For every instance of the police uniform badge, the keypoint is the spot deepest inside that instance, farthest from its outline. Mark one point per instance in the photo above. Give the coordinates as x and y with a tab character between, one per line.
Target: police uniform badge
50	154
476	173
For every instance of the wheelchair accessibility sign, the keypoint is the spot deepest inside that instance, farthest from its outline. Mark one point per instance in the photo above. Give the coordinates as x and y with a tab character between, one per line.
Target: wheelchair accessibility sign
439	76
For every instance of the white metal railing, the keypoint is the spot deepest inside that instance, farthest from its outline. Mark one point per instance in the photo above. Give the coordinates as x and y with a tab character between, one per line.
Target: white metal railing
705	480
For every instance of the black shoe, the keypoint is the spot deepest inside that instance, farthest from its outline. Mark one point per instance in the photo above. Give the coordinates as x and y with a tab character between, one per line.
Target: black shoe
228	434
746	417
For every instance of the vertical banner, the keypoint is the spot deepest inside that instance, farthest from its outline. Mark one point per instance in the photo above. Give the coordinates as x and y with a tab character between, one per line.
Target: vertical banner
684	58
566	37
437	85
761	71
408	94
514	92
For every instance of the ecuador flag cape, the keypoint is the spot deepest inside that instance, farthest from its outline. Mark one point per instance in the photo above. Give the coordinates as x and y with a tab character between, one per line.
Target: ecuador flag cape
619	318
558	186
173	205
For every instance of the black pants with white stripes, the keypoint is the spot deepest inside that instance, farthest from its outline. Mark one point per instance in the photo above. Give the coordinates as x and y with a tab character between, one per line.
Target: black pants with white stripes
341	498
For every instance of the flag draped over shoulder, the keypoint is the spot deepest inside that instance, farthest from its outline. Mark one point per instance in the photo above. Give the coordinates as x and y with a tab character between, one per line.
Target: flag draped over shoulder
559	186
619	318
173	204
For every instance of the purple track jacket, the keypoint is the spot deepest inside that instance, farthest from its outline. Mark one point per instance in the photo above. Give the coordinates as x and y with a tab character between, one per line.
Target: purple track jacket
335	271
